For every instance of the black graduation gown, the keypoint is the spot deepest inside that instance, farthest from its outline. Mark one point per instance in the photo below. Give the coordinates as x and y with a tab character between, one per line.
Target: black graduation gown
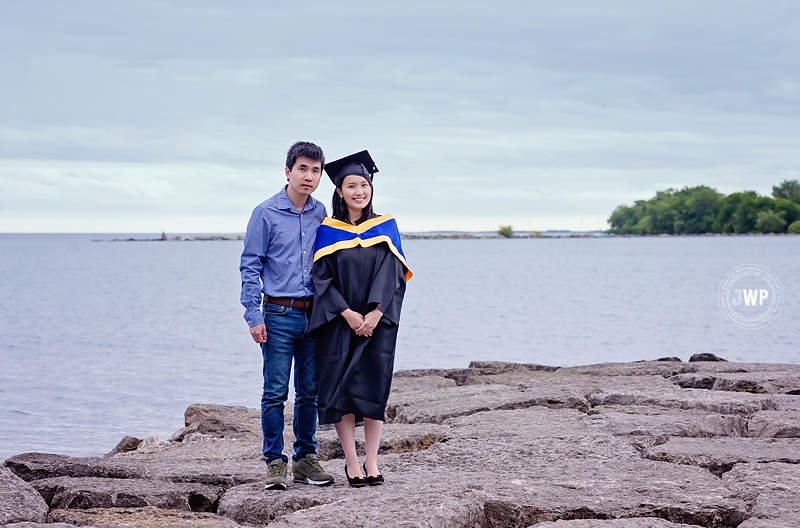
355	373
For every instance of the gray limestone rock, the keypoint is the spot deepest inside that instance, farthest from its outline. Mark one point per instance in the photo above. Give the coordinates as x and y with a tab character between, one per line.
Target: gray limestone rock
502	468
539	476
639	368
775	424
146	517
668	369
478	372
787	402
635	522
204	460
38	525
494	445
503	366
785	381
726	403
447	509
772	490
705	357
425	407
35	466
91	492
128	443
421	383
252	505
648	421
769	523
720	455
220	421
19	501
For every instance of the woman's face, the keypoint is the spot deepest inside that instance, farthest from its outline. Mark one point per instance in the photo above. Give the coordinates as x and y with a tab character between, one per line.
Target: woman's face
356	192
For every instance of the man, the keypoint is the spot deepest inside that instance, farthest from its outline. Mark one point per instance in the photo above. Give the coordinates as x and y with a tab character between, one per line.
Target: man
276	262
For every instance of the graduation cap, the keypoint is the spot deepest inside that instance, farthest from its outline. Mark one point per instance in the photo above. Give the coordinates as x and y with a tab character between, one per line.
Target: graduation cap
358	164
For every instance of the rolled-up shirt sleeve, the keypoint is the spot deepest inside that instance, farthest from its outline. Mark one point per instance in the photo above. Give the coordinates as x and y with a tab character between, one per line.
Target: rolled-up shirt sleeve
256	243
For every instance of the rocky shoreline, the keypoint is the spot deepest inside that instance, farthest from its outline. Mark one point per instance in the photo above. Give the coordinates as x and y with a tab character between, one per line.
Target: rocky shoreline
645	444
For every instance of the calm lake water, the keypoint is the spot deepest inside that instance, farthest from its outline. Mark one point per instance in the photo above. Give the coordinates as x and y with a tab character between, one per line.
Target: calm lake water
99	340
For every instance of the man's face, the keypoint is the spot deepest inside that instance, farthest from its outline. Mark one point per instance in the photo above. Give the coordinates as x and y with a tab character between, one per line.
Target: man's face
304	176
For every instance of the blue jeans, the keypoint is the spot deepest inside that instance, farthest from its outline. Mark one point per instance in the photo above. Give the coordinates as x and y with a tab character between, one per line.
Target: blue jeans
287	338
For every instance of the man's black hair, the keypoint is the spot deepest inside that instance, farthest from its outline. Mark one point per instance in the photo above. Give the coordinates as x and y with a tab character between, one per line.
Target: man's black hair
304	148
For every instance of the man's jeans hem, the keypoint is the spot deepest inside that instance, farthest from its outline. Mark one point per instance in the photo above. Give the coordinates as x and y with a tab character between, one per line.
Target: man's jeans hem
288	340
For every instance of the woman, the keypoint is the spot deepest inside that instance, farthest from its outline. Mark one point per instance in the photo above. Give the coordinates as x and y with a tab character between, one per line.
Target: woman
359	281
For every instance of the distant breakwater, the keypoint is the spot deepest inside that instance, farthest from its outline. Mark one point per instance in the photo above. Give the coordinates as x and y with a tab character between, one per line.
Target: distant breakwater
466	236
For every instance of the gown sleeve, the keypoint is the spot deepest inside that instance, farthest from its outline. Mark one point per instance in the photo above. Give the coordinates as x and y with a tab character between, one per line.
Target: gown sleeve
388	285
328	300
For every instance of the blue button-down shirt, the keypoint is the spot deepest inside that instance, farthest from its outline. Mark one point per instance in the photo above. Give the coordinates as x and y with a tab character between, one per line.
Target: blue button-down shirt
278	252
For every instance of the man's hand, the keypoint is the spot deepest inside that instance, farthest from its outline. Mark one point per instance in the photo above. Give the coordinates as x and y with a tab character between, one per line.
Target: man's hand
370	322
259	333
354	319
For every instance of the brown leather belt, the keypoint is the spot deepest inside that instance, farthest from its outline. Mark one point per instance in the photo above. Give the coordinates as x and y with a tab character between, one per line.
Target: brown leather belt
300	304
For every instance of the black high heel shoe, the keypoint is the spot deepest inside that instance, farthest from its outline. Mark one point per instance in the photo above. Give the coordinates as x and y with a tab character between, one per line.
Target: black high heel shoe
372	481
356	482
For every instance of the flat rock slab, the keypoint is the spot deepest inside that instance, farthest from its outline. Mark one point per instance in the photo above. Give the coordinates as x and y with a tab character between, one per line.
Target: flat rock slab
252	505
637	522
536	421
772	489
674	397
92	492
783	381
194	447
768	523
626	420
421	510
720	455
340	505
495	445
529	475
449	402
664	368
176	463
427	382
775	424
507	469
35	466
638	368
38	525
220	421
147	517
787	402
19	501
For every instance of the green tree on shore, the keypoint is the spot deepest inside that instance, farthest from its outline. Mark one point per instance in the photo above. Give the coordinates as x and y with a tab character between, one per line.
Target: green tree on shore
696	210
770	222
789	189
505	231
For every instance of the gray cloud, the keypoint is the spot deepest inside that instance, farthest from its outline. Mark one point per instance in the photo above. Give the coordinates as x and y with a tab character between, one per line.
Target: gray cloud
493	111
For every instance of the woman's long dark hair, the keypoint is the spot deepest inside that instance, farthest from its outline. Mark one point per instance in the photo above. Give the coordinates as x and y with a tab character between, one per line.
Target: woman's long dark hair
339	207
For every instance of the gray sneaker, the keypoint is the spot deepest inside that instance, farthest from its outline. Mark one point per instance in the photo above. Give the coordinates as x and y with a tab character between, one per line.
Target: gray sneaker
307	470
277	475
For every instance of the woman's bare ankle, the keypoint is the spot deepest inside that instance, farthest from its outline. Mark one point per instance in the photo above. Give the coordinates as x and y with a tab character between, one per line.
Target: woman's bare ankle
353	469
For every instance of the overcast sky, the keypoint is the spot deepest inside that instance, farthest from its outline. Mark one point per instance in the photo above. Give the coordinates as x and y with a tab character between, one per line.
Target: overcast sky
143	116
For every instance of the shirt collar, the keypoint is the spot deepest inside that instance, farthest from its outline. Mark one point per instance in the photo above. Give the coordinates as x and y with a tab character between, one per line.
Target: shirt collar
285	203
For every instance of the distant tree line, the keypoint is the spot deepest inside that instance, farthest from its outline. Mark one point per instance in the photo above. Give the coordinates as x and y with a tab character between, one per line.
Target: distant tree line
694	210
